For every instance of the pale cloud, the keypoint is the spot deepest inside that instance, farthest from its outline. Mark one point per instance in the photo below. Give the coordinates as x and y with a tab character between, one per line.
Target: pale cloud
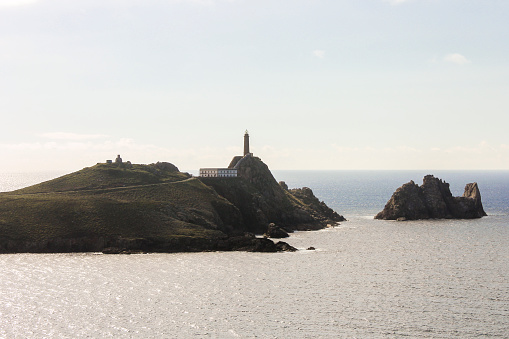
65	153
14	3
71	136
483	146
371	149
78	142
276	154
104	3
456	58
433	60
481	156
68	154
396	2
207	2
319	53
115	3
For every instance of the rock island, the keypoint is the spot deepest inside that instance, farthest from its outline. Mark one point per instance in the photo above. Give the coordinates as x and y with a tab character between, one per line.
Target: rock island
432	200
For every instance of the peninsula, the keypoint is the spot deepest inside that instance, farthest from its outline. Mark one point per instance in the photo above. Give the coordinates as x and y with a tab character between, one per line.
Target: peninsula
122	207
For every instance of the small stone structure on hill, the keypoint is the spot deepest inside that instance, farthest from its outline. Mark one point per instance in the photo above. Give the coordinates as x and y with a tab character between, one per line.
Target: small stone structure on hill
120	162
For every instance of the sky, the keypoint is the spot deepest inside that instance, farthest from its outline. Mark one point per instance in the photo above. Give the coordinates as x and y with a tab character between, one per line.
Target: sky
319	84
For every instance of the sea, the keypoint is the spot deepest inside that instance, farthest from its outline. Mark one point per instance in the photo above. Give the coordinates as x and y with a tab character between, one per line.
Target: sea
366	278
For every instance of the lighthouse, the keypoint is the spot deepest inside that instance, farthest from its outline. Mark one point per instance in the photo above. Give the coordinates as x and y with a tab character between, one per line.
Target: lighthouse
246	143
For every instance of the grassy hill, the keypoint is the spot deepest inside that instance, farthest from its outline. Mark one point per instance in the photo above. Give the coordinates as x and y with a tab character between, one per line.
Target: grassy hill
153	208
108	176
110	202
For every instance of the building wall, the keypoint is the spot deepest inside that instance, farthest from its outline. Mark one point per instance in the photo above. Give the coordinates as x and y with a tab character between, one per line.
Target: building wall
218	172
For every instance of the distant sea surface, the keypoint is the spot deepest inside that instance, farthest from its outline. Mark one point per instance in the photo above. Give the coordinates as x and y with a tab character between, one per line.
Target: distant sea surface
15	180
366	279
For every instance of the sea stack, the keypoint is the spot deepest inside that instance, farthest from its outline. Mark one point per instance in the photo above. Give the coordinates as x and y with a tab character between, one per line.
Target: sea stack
432	200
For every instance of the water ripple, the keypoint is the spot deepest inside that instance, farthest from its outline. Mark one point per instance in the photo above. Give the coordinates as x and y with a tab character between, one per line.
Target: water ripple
368	279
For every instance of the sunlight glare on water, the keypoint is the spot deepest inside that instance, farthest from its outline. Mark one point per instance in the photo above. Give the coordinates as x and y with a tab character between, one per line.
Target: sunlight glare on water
366	279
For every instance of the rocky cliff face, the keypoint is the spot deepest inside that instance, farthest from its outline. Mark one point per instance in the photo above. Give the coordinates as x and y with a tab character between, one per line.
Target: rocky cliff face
318	209
261	200
432	200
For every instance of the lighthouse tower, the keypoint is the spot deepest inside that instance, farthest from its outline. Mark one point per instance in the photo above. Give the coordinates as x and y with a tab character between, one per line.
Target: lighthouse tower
246	143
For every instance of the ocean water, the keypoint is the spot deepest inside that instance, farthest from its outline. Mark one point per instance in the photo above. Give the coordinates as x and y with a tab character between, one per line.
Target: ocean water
366	279
367	192
11	181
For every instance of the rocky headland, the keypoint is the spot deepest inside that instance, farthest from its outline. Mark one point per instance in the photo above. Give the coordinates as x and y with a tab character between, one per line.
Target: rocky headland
132	208
432	200
261	200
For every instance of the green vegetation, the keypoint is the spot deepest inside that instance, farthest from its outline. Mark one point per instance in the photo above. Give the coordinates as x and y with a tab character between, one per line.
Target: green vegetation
145	201
167	210
109	176
154	208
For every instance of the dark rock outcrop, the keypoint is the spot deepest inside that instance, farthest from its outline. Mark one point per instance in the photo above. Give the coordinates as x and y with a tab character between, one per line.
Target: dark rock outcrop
432	200
284	247
276	232
283	185
119	245
165	166
262	200
318	209
247	243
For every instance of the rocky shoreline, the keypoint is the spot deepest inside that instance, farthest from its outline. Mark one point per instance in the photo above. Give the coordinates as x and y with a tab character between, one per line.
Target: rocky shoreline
119	245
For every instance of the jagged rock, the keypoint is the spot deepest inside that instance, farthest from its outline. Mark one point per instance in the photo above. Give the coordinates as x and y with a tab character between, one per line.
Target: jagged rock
284	247
274	231
248	243
116	250
320	209
311	248
165	166
433	200
235	161
112	250
283	185
261	200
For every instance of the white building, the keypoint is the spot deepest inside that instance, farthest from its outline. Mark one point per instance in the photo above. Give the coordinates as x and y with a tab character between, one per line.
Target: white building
218	172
